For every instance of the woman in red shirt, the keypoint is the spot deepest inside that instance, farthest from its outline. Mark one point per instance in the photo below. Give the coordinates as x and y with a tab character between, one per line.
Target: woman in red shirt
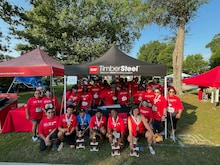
175	109
34	113
138	126
159	110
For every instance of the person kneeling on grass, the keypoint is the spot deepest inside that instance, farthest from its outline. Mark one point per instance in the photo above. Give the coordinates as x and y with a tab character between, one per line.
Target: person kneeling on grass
67	128
138	126
97	125
48	130
115	128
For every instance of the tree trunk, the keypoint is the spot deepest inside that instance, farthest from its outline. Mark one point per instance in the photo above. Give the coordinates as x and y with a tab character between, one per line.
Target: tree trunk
178	57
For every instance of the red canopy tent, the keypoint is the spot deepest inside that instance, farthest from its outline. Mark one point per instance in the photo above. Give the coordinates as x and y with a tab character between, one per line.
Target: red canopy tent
210	78
33	63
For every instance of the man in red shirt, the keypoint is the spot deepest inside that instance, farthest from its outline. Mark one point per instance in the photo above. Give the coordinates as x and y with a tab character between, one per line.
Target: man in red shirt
123	96
96	91
138	96
86	99
115	127
107	96
97	125
52	101
67	128
48	130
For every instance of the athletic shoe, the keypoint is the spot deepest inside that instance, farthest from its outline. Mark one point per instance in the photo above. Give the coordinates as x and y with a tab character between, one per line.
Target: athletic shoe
60	146
35	138
151	150
54	147
172	136
162	133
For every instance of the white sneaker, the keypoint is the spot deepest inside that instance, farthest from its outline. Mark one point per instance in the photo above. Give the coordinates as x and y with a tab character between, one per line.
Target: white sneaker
34	138
172	136
151	150
162	133
60	147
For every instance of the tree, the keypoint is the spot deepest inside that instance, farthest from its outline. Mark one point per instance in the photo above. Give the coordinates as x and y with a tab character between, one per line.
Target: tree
194	64
175	14
214	45
76	31
157	52
7	12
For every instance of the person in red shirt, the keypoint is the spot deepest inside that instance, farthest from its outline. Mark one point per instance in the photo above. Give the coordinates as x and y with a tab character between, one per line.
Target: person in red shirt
159	110
149	96
146	112
50	100
107	96
97	125
34	113
67	128
96	91
134	85
72	96
138	126
48	130
138	96
115	127
123	95
175	109
86	99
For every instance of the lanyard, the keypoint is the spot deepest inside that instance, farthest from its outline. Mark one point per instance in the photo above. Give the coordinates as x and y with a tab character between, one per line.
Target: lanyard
98	122
114	122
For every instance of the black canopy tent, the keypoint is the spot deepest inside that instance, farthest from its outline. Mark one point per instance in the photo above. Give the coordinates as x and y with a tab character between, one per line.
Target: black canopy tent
115	62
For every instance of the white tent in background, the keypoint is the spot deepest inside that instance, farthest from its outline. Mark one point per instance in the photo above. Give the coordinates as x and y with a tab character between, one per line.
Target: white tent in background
184	75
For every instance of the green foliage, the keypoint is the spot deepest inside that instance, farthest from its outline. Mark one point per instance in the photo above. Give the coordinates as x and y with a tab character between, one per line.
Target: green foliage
158	53
77	31
194	64
214	45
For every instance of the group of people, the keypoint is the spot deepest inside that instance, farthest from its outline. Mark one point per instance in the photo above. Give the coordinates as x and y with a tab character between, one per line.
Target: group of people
148	109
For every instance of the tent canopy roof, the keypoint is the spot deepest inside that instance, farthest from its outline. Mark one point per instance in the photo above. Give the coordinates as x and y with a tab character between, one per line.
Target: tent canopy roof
33	63
114	62
210	78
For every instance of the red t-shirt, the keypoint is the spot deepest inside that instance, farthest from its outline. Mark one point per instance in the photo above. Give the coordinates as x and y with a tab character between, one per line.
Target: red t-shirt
66	121
48	125
137	97
159	103
117	125
123	96
149	97
146	112
175	103
96	90
107	95
34	107
85	100
53	101
97	123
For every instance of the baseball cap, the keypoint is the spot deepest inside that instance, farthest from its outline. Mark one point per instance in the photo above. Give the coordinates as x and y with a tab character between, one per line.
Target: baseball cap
81	110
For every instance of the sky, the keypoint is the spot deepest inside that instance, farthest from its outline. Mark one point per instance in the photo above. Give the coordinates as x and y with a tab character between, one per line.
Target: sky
201	31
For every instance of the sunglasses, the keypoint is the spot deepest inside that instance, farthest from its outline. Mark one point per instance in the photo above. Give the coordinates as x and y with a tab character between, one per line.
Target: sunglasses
156	92
51	112
171	92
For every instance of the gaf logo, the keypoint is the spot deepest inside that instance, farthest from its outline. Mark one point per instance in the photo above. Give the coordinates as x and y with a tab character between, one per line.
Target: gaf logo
93	69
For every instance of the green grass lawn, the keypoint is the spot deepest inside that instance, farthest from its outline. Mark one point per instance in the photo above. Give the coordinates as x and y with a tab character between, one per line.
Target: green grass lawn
198	142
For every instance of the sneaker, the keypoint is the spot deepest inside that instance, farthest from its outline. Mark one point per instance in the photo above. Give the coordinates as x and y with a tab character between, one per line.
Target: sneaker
162	133
151	150
54	147
60	147
34	138
172	136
